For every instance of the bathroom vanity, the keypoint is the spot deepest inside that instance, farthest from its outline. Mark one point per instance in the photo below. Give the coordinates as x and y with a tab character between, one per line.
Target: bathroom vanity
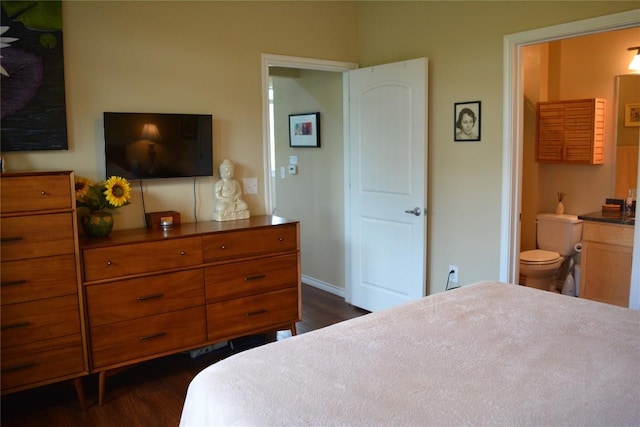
607	251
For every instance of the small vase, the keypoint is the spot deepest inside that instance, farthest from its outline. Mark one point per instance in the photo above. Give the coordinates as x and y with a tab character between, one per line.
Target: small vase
97	223
560	208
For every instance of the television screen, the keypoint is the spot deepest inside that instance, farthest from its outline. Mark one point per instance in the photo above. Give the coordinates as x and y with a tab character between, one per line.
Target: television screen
155	145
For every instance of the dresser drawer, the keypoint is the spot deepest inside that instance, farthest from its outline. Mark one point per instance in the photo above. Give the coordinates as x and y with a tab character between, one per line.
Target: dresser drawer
41	361
240	316
37	278
37	236
222	246
134	298
126	341
123	260
34	193
39	320
250	277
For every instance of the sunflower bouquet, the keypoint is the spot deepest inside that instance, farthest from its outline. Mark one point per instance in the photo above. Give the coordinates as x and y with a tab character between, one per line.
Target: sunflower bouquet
110	194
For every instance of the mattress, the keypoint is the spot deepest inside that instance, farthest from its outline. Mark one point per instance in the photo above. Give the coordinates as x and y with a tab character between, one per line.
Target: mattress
483	354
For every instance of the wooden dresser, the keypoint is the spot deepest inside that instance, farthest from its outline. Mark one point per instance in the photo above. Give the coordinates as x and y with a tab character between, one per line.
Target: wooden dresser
151	293
42	323
571	131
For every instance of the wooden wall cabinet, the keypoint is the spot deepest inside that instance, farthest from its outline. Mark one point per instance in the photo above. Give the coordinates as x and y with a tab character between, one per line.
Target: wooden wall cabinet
571	131
151	293
607	251
43	338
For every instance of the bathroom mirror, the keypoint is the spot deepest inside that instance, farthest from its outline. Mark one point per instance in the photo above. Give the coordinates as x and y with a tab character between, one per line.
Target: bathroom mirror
627	137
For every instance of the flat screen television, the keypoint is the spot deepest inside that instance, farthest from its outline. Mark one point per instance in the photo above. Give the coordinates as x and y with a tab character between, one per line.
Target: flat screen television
157	145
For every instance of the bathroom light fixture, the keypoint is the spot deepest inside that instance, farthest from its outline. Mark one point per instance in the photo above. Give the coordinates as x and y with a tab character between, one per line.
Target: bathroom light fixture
634	65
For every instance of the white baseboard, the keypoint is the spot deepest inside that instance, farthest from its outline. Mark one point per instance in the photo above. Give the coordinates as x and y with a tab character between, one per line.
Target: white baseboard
333	289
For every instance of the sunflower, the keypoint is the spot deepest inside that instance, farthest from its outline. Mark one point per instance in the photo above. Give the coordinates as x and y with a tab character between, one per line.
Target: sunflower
82	187
117	191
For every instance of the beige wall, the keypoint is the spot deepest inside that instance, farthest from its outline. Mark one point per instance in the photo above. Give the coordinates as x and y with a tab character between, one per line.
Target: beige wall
191	57
315	196
205	57
464	44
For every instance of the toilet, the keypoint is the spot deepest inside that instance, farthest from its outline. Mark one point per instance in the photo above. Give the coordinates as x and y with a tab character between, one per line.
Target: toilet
556	237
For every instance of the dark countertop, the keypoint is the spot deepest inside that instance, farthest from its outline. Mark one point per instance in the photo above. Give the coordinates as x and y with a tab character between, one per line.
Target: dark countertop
611	218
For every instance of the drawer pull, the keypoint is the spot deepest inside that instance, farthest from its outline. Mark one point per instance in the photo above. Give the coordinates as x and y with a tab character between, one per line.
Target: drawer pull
223	247
16	325
109	262
18	367
281	239
182	252
255	313
13	282
11	239
150	337
149	297
44	193
256	277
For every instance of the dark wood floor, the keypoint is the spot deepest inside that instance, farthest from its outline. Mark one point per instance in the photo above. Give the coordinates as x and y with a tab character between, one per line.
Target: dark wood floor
152	393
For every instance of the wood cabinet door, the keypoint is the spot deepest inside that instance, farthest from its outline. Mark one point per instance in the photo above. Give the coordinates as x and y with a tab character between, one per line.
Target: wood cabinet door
606	273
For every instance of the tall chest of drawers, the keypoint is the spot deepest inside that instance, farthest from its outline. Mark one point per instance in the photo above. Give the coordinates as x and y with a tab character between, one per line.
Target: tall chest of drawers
151	293
43	338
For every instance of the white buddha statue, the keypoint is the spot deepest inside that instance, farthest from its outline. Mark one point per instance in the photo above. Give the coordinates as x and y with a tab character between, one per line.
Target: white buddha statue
228	193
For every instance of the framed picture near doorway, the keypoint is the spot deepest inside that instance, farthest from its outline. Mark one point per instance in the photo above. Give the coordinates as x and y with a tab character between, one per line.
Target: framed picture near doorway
304	130
632	115
466	121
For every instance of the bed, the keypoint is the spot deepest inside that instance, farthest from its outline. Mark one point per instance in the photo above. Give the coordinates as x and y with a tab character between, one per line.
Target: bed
484	354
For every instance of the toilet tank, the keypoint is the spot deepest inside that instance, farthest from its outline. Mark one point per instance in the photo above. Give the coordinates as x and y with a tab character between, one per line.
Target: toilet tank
558	233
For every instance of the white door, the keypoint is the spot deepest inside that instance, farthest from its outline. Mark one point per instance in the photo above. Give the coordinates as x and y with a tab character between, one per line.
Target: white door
387	189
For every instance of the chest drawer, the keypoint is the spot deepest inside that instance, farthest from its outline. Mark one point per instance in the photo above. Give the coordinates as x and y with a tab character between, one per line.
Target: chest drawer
32	279
251	277
33	193
41	361
123	260
222	246
37	236
125	341
39	320
134	298
239	316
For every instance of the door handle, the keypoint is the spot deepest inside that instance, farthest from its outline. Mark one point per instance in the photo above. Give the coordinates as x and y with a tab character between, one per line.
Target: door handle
415	211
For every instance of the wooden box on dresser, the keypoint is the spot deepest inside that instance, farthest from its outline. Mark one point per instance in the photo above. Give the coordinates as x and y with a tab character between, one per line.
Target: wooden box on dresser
43	338
151	293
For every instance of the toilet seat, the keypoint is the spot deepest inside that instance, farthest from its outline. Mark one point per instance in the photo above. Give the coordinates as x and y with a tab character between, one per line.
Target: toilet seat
539	257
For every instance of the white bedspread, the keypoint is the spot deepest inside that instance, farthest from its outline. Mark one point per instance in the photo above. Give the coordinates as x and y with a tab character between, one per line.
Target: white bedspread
483	354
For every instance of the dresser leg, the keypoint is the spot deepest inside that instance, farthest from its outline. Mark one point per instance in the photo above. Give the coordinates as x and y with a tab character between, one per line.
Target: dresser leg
80	391
102	380
293	329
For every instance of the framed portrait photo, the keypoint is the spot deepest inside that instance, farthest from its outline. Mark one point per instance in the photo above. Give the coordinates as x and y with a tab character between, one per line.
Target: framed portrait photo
304	130
632	115
466	121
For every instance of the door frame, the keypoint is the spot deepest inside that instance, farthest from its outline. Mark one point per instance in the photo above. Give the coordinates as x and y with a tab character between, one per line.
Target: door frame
513	123
273	60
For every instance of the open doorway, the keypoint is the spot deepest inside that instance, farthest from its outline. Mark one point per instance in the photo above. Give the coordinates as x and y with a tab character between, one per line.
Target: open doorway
311	191
513	135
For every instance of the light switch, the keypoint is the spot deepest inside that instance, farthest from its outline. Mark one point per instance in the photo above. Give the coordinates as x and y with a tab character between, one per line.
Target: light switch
293	160
250	185
293	169
283	172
